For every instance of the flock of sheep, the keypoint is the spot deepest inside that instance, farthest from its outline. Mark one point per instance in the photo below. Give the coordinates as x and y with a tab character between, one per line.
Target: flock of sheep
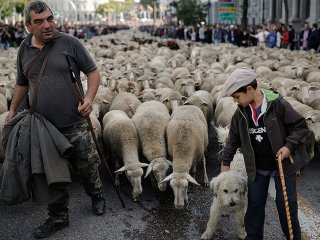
160	103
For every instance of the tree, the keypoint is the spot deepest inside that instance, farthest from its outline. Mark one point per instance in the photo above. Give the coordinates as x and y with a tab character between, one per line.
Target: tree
145	3
116	6
191	12
286	11
6	7
244	20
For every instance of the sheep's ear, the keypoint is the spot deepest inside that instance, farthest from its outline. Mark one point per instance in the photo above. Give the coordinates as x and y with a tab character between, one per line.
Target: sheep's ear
168	178
149	169
183	98
191	179
169	163
314	88
121	169
144	164
205	104
105	101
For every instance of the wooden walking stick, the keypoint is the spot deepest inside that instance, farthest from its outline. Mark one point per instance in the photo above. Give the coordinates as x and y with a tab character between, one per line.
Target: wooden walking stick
80	96
284	191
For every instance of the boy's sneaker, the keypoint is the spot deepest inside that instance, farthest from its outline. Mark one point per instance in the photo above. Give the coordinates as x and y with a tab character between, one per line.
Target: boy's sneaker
49	228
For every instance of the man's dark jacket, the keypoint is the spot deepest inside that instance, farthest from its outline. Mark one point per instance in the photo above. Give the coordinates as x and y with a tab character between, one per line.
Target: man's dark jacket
35	159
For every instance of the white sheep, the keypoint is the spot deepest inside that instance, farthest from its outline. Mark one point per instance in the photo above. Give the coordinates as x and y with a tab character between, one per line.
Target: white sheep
151	119
102	101
224	111
3	104
313	76
126	102
169	97
203	100
121	139
185	86
187	138
2	122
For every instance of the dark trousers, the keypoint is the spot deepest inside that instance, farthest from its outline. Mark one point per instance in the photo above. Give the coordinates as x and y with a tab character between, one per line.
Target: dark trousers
257	198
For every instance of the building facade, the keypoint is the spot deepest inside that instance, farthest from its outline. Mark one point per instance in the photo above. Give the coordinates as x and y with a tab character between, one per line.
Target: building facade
269	11
74	11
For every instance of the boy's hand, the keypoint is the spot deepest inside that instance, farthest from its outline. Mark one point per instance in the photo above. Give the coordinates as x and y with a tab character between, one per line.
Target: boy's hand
224	168
285	153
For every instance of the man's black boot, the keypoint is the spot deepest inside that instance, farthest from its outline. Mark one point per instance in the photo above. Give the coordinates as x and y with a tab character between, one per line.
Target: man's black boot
98	205
49	228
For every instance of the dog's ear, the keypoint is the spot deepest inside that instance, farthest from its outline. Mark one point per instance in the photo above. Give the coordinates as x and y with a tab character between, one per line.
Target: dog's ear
214	185
244	185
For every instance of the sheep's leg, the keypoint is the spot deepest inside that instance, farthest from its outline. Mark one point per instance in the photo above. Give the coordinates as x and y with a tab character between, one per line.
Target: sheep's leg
117	180
205	177
117	177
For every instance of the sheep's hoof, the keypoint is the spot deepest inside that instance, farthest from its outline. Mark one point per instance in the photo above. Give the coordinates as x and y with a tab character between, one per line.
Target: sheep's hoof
117	183
205	235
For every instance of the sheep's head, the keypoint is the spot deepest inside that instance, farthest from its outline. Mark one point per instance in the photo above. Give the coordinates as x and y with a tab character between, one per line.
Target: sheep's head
159	167
179	183
134	172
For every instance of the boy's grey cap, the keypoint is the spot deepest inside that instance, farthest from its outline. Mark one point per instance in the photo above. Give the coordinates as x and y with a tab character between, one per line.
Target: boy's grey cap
238	78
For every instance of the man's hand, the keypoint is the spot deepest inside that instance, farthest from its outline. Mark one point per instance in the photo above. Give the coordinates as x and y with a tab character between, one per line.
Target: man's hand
224	168
285	153
9	116
86	108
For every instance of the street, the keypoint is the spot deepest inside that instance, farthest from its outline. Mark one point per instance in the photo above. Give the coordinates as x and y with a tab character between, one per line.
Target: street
155	217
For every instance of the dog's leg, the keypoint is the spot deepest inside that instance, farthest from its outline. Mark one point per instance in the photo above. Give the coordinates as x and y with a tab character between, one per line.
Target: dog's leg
213	220
205	179
240	214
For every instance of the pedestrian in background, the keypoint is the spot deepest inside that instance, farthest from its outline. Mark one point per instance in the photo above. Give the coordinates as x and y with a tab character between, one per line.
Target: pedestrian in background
314	37
5	37
292	36
304	36
58	103
272	39
265	126
217	34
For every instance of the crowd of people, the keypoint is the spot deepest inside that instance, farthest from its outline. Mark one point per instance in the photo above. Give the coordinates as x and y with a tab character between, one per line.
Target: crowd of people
274	35
11	35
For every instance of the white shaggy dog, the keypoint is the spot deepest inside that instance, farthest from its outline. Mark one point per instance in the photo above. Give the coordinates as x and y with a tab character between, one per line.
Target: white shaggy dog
230	195
230	192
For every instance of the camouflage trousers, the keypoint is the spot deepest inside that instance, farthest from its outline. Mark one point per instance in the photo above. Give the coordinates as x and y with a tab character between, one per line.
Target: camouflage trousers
84	162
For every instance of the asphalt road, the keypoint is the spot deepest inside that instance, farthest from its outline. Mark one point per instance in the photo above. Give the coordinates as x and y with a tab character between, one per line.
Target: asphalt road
155	217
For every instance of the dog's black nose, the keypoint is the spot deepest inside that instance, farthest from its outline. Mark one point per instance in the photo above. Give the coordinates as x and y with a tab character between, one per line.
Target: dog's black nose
232	204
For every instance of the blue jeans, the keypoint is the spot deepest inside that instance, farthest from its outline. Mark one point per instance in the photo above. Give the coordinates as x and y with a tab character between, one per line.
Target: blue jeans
257	198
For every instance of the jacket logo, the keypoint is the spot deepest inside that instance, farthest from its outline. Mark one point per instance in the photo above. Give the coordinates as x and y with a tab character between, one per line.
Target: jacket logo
259	138
257	130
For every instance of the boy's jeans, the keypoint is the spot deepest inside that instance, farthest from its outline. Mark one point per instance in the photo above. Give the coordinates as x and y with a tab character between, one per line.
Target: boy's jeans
257	197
